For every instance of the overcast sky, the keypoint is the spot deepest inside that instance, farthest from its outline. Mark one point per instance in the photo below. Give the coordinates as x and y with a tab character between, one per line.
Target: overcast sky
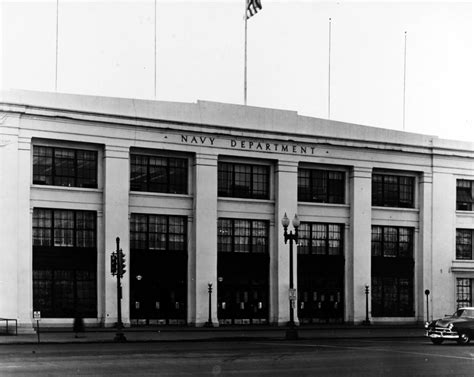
107	48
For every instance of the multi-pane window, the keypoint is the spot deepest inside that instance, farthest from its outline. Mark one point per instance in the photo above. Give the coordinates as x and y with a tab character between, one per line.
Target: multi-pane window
64	167
463	292
392	242
158	174
243	180
158	232
392	296
392	191
64	228
320	239
392	271
464	194
321	186
64	262
242	236
464	244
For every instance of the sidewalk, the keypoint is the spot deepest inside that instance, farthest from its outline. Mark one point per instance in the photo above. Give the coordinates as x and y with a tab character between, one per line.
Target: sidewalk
179	334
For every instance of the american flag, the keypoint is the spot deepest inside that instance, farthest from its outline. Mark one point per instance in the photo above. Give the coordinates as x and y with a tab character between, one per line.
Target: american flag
253	6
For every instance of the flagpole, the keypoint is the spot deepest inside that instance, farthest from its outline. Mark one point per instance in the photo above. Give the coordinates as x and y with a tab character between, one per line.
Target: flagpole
329	73
57	31
155	55
245	54
404	78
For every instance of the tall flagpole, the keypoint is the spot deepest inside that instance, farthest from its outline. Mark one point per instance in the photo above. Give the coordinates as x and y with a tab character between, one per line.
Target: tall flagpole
404	78
245	54
329	73
155	56
57	31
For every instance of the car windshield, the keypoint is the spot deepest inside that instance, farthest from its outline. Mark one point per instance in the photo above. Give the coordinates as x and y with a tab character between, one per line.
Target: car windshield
463	313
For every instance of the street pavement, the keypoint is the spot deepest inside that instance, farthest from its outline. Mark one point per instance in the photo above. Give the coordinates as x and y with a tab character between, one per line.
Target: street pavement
362	357
169	334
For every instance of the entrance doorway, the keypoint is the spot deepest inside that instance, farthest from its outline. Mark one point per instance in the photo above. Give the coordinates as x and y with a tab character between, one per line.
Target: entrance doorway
320	289
158	288
242	288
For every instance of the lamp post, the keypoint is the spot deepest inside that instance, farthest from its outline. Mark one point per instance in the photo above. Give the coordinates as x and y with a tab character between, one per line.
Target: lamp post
291	332
209	319
427	293
367	290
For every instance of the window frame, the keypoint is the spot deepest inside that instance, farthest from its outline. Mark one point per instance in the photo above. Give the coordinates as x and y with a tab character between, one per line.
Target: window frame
53	230
227	188
148	185
332	186
252	245
386	189
79	179
148	233
463	205
461	245
312	249
382	241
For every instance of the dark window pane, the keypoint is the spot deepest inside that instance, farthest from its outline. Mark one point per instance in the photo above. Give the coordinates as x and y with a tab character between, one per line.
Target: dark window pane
225	235
86	169
138	232
85	229
392	191
377	190
242	236
321	186
464	195
63	228
158	174
319	240
463	292
259	237
377	241
42	165
64	167
158	233
138	173
464	244
243	181
42	226
304	238
304	185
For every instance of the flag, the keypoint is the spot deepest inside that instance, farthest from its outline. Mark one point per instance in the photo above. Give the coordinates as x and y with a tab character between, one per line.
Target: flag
253	6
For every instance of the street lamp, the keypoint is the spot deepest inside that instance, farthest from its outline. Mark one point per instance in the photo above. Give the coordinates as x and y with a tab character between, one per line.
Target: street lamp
291	333
367	291
209	320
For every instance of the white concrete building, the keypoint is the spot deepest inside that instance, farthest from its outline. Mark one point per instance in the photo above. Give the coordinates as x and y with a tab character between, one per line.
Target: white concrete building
196	193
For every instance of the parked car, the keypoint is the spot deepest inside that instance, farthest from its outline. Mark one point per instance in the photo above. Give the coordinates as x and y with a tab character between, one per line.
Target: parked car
458	327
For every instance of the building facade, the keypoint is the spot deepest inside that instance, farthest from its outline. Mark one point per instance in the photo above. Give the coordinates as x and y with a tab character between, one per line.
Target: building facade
196	194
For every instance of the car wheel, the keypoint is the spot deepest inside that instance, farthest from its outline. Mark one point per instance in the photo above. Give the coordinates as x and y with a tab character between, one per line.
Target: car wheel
463	338
437	340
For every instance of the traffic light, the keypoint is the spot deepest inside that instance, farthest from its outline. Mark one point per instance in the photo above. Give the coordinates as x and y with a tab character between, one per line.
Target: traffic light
122	263
113	263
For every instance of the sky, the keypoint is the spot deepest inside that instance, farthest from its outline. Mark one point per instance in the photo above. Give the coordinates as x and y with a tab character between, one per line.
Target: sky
362	76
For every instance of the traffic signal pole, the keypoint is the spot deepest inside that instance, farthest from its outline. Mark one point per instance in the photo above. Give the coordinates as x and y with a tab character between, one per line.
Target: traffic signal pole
119	336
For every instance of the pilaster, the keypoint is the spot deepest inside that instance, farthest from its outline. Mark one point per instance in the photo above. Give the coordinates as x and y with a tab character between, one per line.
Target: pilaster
116	224
423	261
359	261
202	261
286	199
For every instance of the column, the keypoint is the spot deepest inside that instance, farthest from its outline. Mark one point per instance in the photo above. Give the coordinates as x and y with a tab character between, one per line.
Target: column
286	199
423	261
359	261
203	251
116	224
